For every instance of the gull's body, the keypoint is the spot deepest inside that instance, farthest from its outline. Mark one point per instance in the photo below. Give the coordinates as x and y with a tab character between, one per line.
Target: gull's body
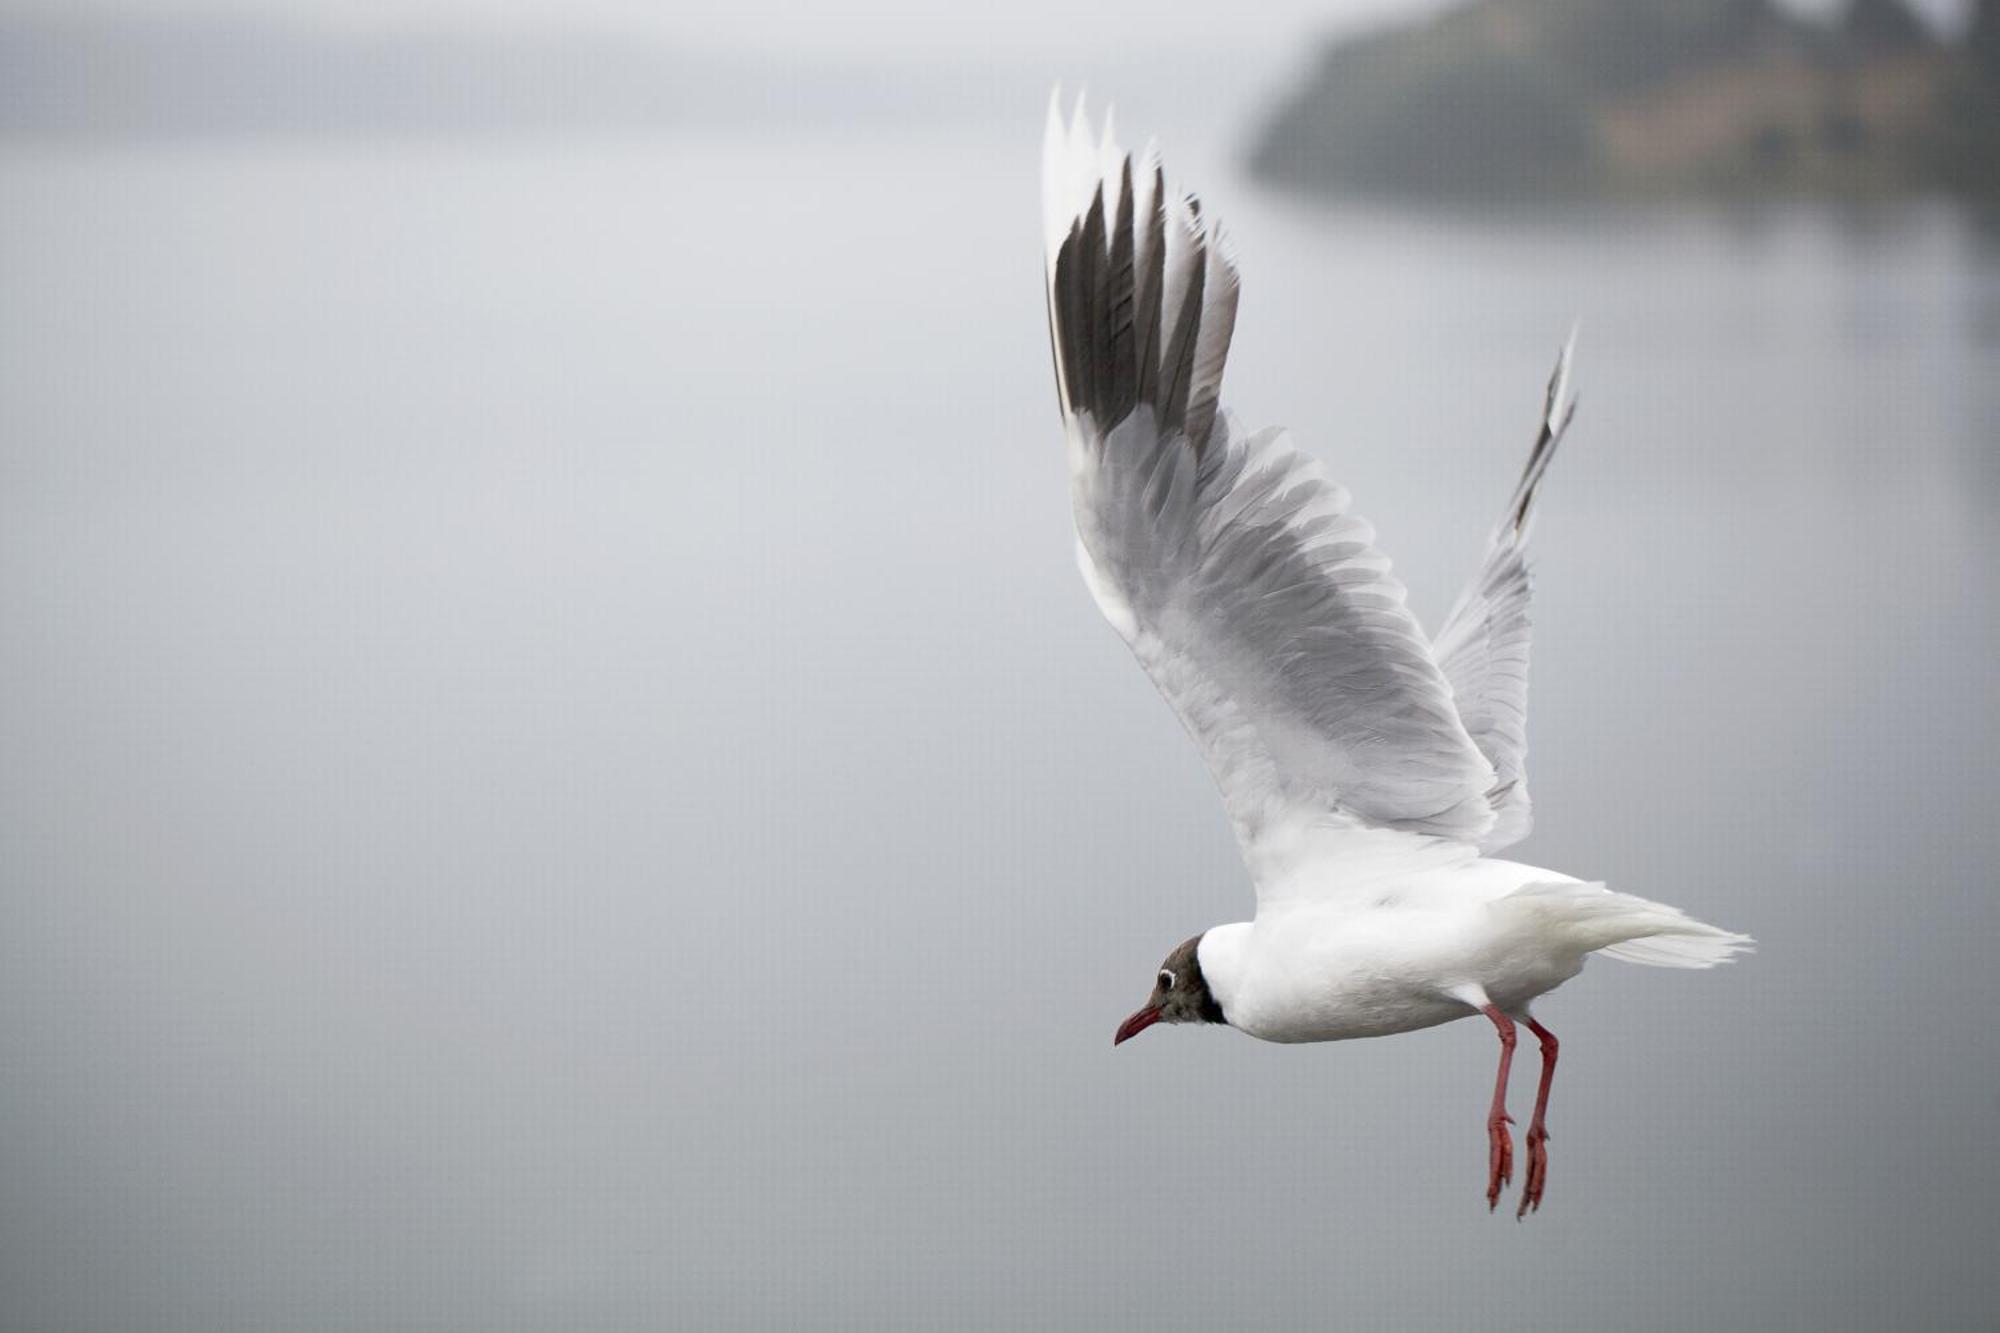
1366	769
1319	973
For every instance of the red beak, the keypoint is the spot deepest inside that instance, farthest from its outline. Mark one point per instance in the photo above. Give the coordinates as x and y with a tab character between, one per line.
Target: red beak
1136	1024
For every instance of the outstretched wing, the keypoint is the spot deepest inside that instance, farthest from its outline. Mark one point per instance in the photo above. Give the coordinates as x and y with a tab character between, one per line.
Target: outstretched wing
1483	646
1237	573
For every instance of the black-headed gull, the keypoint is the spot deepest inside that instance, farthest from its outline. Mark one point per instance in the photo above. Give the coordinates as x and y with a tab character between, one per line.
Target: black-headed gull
1368	772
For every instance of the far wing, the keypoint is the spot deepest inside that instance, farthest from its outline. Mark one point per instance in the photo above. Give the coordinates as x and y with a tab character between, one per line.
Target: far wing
1237	573
1483	646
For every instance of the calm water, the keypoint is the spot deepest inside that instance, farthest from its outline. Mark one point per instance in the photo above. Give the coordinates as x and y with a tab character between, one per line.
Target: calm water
555	769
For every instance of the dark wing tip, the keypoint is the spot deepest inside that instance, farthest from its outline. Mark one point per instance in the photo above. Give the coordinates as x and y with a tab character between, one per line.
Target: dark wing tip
1120	342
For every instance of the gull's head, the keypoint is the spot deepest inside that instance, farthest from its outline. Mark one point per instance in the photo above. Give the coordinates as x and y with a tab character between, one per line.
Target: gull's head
1180	995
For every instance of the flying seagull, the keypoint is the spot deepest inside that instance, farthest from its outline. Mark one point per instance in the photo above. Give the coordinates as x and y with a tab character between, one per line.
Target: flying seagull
1369	773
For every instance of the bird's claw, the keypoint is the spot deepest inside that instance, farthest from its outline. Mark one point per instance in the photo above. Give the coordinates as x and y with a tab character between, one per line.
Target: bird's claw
1499	1159
1538	1172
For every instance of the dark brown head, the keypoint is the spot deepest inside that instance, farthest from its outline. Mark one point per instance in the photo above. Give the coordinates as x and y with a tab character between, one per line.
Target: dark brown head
1180	995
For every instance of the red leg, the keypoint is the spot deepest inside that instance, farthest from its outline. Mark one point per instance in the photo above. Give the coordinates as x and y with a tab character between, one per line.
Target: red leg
1500	1147
1538	1134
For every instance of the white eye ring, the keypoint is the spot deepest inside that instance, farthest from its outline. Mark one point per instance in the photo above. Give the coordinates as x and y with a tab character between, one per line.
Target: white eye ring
1167	978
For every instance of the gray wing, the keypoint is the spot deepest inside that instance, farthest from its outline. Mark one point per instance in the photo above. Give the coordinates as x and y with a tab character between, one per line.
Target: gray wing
1237	573
1483	646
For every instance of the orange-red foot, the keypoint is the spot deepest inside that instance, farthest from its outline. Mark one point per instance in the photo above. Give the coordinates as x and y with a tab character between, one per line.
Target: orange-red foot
1538	1172
1499	1158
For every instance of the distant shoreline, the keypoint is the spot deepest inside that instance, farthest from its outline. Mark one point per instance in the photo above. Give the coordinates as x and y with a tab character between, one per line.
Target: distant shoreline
1717	98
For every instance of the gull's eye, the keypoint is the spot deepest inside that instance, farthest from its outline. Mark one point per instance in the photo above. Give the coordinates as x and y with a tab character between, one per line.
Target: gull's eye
1166	979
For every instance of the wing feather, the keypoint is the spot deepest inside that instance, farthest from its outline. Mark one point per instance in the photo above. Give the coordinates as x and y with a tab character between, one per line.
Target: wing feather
1483	646
1239	575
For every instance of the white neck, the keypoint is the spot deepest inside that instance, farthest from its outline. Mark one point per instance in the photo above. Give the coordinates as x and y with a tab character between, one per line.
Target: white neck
1221	955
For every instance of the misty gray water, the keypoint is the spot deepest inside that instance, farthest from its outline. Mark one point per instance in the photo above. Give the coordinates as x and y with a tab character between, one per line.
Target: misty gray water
555	769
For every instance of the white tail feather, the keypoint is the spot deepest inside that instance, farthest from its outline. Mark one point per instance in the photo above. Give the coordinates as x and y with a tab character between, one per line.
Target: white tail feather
1709	949
1633	930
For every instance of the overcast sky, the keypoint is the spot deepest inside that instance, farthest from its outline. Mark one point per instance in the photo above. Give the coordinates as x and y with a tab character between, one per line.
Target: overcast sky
884	27
901	28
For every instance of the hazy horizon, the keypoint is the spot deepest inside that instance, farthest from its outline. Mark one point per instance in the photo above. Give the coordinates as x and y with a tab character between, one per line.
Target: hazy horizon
189	68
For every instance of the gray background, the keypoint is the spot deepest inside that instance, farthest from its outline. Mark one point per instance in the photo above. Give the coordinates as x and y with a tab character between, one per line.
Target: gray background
555	769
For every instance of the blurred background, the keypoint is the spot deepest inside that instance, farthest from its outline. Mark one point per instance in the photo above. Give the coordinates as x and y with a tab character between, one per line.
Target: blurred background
555	770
